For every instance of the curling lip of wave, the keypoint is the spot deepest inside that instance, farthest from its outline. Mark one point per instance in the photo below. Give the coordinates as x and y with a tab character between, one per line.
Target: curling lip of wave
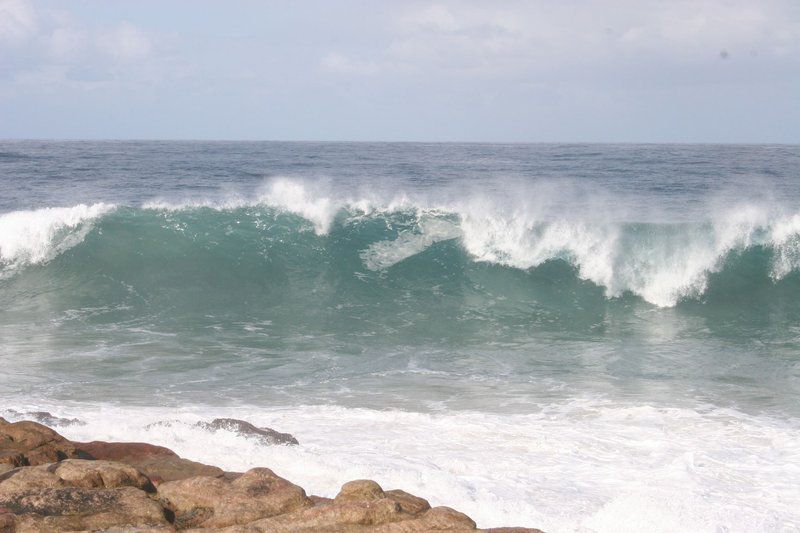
661	263
37	236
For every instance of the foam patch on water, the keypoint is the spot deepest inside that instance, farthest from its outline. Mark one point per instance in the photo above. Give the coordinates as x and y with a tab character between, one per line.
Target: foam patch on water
584	465
36	236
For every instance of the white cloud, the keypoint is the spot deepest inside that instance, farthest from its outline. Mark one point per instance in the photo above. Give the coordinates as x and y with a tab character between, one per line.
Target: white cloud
46	49
519	37
125	42
17	21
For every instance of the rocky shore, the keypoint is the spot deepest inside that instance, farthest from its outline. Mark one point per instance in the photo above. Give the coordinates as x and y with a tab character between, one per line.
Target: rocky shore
48	483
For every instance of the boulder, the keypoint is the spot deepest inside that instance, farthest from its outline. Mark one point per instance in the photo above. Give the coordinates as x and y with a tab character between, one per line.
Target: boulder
362	505
73	473
359	490
30	443
211	502
156	462
265	436
76	509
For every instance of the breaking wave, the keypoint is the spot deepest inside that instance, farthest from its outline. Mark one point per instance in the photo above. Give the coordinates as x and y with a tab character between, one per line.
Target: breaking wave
290	231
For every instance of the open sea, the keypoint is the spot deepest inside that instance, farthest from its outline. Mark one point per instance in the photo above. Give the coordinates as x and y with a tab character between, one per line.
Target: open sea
570	337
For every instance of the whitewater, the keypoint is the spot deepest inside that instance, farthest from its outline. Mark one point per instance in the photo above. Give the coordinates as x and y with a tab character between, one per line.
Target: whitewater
569	337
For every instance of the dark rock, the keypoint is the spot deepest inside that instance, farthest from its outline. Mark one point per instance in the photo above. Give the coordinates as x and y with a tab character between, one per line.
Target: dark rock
43	417
246	429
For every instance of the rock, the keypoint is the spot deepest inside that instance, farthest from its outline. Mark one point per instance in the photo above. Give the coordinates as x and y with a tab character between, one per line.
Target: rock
512	530
43	417
29	443
409	503
338	517
265	436
156	462
3	420
211	502
76	509
77	473
436	519
319	500
359	490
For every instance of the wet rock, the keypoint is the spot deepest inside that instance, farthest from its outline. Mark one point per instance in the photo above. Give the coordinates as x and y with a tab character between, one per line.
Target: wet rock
210	502
265	436
30	443
158	463
48	419
76	509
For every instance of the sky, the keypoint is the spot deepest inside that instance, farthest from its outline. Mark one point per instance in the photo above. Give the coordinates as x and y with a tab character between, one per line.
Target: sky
367	70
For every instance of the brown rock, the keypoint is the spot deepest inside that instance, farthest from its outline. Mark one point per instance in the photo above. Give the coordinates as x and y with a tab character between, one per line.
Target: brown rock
265	436
71	509
409	503
156	462
512	530
343	517
211	502
359	490
73	473
29	443
436	519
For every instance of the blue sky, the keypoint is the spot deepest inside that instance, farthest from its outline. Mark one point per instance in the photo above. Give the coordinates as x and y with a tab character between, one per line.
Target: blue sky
539	71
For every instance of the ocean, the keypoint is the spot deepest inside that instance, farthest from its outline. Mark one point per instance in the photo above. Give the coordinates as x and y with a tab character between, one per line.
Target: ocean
570	337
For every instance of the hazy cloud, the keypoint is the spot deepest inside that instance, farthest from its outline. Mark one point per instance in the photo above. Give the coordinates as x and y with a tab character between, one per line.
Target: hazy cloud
446	70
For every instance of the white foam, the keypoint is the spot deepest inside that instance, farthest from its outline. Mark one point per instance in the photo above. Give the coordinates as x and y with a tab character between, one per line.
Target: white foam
384	254
583	465
37	236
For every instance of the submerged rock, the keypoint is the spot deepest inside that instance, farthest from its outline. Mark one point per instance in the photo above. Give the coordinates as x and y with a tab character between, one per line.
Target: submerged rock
209	502
246	429
158	463
30	443
48	419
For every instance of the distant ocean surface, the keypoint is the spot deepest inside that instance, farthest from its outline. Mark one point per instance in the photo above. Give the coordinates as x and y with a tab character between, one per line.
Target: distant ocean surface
569	337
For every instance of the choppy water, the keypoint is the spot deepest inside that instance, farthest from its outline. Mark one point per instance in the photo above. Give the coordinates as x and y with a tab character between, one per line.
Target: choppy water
551	334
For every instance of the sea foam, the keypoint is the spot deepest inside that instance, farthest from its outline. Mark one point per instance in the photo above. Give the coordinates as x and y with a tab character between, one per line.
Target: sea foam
579	465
